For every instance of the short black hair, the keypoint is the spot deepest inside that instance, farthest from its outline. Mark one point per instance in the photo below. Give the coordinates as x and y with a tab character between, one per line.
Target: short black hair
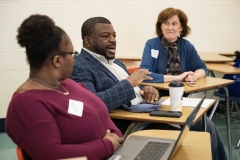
41	38
90	23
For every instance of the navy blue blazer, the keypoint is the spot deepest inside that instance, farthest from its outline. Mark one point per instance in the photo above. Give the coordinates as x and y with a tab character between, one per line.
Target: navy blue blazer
100	80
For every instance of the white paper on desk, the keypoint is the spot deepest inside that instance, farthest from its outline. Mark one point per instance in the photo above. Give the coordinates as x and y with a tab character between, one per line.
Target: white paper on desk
191	102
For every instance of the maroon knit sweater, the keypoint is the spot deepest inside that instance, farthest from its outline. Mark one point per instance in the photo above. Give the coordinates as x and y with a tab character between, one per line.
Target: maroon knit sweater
39	122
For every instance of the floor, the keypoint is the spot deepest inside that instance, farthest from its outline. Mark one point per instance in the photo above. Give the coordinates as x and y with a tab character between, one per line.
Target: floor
219	120
8	148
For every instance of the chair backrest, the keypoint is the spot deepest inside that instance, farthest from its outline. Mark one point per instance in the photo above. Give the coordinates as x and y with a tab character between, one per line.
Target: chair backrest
19	153
132	69
22	155
233	89
237	56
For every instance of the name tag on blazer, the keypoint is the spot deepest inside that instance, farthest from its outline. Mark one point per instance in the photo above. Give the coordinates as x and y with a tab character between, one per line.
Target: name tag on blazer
154	53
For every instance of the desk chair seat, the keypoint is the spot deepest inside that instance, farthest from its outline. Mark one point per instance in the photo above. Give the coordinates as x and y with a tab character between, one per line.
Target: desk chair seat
233	99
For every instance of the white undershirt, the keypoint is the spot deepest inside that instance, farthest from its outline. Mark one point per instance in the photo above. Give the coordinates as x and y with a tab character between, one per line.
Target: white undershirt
118	71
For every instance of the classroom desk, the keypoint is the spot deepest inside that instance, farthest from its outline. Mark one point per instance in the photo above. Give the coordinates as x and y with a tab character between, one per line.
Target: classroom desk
186	110
129	58
227	54
219	53
205	84
230	63
196	145
214	57
206	57
136	117
223	68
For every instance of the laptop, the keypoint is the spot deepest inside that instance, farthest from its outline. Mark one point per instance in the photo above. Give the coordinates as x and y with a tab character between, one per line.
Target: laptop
139	147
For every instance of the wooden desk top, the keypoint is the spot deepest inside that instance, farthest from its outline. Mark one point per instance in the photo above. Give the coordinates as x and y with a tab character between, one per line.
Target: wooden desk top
227	54
129	58
223	68
121	114
196	145
230	63
211	57
206	83
219	53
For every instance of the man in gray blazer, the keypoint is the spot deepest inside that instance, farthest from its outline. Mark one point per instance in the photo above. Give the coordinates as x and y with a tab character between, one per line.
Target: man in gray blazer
97	68
107	77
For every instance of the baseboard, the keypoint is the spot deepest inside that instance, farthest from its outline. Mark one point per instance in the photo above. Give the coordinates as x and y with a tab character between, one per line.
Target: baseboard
2	125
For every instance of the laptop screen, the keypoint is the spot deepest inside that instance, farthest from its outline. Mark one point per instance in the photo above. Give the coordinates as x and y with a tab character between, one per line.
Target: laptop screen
186	127
134	145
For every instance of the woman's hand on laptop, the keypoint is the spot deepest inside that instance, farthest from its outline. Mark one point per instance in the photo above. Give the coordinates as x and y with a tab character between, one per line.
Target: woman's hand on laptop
115	139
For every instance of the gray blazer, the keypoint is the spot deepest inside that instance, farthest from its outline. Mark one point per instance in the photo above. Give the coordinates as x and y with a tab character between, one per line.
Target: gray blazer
100	80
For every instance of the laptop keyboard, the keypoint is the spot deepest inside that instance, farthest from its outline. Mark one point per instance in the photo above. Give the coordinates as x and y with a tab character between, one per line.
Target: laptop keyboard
153	150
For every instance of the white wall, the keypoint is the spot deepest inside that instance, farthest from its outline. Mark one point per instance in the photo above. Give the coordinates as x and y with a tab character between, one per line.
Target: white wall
215	28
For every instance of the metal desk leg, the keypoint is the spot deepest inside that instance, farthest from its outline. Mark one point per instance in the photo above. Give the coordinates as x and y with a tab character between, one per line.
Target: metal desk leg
212	73
214	109
204	122
228	123
190	94
129	129
238	143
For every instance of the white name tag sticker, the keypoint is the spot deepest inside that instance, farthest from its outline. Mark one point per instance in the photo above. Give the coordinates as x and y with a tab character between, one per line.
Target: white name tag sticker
75	107
154	53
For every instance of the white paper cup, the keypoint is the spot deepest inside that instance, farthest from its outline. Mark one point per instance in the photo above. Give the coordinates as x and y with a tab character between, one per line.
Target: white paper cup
176	89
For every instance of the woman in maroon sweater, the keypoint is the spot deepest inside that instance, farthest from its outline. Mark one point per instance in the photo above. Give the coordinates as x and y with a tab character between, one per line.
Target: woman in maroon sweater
51	116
